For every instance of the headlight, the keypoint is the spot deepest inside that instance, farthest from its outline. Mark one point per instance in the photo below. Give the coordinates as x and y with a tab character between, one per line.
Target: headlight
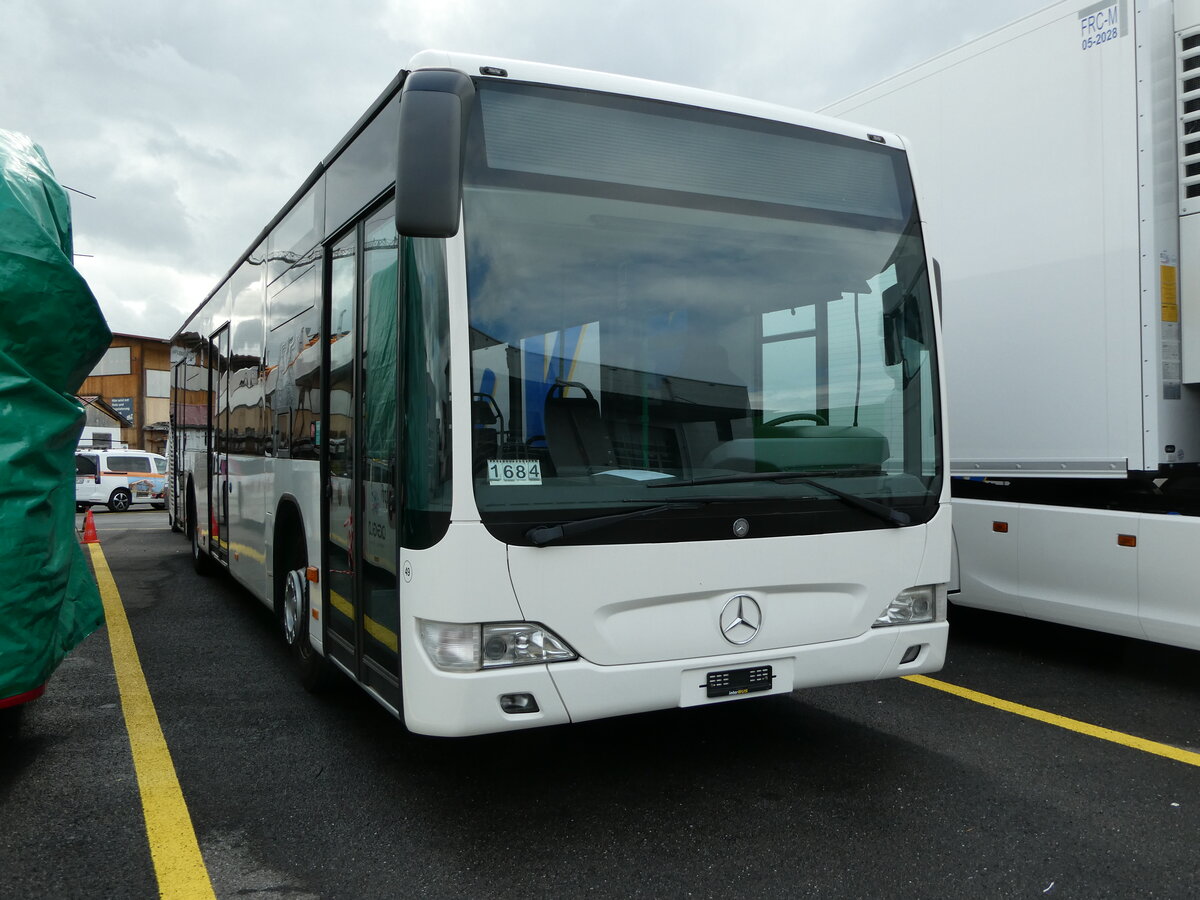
468	648
515	644
452	647
912	605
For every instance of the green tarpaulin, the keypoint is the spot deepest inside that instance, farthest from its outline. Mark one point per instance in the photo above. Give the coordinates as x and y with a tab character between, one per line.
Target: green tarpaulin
52	334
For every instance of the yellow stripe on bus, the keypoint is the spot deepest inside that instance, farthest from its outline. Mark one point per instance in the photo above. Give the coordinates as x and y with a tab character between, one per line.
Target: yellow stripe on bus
380	632
245	550
1178	754
178	864
341	604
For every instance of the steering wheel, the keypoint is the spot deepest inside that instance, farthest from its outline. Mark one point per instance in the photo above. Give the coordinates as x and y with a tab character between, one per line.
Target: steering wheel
798	417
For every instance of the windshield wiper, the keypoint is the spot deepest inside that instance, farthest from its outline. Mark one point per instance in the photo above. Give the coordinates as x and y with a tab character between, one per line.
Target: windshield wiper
878	510
547	534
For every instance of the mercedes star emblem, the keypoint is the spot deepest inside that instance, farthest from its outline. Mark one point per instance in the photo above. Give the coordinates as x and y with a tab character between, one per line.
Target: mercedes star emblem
740	619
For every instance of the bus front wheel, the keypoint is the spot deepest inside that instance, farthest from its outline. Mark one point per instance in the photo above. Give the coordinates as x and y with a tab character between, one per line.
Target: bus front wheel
295	615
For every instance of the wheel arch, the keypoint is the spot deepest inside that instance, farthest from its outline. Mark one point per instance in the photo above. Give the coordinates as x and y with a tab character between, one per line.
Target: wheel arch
288	525
191	514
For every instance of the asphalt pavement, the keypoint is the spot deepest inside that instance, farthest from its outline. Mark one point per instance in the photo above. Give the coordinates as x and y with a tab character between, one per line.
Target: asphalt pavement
886	789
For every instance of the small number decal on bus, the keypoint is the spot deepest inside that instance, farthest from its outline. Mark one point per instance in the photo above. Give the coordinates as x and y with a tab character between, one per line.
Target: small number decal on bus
514	471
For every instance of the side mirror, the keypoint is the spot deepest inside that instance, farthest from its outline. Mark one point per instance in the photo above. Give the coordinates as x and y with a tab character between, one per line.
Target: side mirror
434	108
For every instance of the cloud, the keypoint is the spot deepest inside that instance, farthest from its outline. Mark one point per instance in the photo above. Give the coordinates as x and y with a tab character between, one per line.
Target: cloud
193	122
142	297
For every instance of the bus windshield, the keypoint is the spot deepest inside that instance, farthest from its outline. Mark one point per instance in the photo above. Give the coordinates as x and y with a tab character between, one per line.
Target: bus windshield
663	299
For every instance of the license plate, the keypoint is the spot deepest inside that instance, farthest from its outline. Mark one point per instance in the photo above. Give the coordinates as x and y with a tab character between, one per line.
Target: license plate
733	682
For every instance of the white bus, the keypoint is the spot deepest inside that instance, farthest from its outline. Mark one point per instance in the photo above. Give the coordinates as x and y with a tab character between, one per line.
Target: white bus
554	395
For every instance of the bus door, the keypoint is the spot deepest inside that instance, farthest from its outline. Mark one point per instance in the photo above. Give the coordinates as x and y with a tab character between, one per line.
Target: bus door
359	456
218	542
177	443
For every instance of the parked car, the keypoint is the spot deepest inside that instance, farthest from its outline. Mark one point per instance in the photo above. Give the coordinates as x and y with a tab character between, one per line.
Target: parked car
119	478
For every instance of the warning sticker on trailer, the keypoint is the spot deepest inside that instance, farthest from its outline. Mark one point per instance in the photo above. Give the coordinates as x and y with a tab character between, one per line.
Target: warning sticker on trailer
1172	362
1168	290
1172	340
1102	23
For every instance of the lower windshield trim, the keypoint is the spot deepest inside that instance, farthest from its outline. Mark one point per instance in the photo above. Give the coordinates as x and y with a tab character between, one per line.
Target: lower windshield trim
710	522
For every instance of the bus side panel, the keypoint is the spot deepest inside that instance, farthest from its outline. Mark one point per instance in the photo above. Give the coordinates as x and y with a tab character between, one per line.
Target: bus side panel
1120	572
249	490
196	462
989	577
1076	568
1169	579
299	481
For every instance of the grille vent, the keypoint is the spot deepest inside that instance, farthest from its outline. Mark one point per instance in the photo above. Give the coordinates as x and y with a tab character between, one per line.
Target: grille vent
1188	74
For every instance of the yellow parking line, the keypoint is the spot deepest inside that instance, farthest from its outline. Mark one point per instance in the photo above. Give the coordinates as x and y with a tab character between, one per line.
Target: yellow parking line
178	865
1105	734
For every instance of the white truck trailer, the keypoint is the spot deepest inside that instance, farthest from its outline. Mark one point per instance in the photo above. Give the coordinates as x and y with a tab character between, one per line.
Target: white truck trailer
1060	165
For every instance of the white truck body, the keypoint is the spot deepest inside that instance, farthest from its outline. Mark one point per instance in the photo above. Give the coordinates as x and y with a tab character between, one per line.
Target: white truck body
1059	164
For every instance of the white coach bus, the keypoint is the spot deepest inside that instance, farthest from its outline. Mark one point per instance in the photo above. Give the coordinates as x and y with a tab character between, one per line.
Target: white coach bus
554	395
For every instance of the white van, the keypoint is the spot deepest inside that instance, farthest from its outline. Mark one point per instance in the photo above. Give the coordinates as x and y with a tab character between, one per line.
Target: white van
119	478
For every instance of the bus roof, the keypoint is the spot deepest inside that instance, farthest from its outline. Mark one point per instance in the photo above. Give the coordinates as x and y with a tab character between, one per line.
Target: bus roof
584	79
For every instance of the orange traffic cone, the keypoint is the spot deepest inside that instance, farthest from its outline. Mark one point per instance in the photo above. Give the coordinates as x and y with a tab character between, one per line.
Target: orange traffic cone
89	529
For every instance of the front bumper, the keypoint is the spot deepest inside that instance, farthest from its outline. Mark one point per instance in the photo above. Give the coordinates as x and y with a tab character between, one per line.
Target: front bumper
453	704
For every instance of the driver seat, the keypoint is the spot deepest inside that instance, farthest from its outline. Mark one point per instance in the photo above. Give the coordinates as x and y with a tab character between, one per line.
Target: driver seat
575	433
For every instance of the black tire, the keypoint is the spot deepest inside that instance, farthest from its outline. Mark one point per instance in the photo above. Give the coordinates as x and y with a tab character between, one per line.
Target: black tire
159	505
200	561
121	500
291	603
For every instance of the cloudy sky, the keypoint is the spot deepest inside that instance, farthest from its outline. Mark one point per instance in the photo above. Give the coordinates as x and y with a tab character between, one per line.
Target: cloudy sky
193	121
